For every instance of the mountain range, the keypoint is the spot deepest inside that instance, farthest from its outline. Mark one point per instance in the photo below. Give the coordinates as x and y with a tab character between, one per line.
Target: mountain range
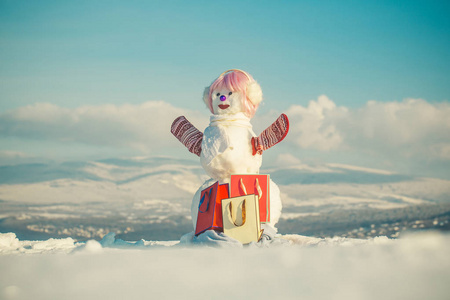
149	198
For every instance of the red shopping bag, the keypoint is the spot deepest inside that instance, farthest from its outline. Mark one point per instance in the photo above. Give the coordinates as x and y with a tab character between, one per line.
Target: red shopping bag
210	208
257	184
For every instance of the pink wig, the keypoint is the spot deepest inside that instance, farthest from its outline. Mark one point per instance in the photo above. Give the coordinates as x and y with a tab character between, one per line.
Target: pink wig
237	81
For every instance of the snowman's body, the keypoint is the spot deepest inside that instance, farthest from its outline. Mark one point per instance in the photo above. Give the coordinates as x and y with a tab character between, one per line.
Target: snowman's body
226	150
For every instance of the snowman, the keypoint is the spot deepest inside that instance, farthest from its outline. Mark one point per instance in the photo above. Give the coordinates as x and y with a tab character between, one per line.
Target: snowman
229	145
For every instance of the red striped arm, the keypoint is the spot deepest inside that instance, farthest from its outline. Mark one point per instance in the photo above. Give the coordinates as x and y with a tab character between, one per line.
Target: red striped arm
187	134
274	134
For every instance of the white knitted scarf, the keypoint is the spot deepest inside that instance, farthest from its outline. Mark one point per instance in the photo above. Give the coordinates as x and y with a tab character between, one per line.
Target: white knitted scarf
239	119
217	139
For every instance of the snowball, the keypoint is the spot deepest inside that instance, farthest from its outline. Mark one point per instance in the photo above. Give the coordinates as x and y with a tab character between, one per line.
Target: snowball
93	246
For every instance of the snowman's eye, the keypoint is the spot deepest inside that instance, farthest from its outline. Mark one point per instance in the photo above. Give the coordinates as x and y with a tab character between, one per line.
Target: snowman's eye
218	94
229	94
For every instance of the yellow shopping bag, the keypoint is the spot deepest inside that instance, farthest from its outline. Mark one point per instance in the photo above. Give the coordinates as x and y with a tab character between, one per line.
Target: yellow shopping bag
241	218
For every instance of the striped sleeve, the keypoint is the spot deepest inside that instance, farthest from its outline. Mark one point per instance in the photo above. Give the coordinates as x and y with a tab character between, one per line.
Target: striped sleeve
274	134
187	134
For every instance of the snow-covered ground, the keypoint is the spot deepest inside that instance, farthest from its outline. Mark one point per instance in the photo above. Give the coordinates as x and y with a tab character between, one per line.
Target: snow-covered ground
415	266
67	231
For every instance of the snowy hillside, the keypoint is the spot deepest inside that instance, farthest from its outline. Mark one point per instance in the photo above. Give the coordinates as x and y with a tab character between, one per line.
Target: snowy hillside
111	229
149	198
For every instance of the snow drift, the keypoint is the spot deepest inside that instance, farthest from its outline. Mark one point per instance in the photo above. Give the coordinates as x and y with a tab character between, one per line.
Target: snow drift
413	267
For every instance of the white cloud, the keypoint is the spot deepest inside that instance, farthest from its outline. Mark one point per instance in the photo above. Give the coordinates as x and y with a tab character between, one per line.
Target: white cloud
13	155
315	126
414	127
287	159
145	127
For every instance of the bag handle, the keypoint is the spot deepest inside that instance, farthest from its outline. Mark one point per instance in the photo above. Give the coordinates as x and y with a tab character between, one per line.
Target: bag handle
203	200
243	214
258	188
243	190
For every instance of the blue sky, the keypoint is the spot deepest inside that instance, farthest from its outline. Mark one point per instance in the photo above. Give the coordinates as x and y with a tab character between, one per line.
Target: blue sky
76	53
90	52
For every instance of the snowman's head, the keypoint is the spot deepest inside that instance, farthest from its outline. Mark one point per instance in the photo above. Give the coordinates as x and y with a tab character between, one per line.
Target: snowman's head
232	92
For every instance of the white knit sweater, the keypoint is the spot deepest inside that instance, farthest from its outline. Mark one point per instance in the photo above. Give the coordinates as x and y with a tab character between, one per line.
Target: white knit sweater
227	149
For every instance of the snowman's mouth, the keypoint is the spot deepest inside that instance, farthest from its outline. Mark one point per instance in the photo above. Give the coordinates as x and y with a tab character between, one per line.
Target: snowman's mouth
224	106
